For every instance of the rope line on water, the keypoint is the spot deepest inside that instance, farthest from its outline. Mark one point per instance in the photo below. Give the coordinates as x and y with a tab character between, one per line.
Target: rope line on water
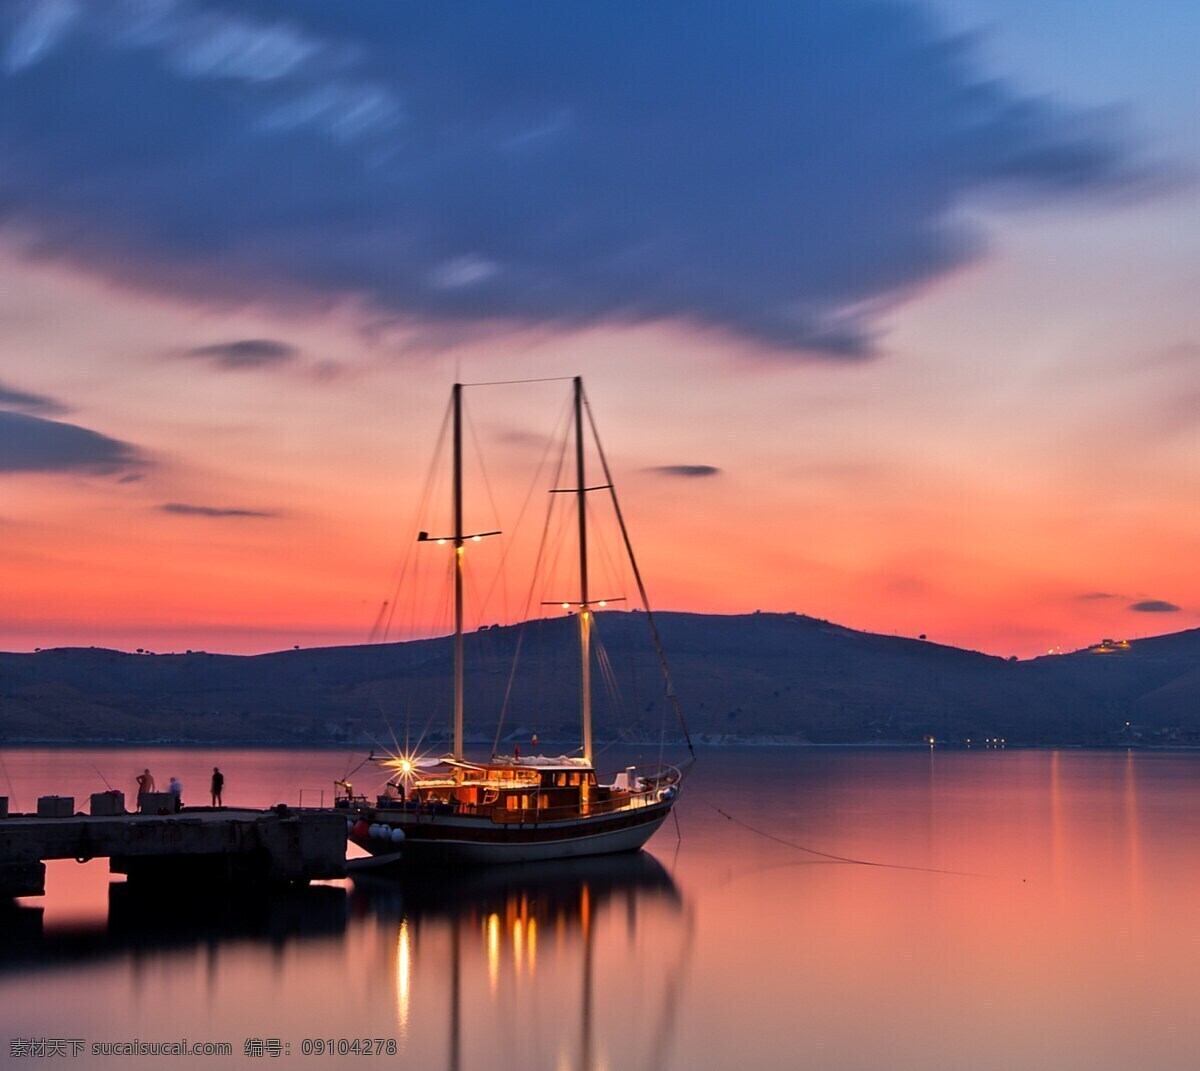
842	858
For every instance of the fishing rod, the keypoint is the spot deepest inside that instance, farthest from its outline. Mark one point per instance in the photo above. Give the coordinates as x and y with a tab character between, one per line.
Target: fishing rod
103	778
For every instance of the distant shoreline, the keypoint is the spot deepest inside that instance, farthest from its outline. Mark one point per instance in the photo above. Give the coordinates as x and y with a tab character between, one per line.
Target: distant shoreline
564	748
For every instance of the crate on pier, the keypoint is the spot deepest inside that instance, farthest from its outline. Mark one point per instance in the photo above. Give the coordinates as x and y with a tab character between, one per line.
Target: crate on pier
107	804
56	806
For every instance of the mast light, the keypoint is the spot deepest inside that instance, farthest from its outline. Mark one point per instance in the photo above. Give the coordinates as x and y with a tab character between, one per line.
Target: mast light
441	541
584	605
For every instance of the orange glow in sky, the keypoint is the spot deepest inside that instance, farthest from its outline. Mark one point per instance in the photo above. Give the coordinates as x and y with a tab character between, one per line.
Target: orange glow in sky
981	500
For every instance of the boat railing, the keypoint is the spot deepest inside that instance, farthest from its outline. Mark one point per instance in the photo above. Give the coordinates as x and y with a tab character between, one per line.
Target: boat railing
654	782
656	785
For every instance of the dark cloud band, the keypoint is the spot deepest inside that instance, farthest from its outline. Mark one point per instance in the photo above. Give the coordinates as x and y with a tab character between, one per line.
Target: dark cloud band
32	444
688	471
783	174
1154	606
37	404
187	510
245	353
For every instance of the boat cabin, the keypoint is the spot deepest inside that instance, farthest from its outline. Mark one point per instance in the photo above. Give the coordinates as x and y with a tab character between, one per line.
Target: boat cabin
518	790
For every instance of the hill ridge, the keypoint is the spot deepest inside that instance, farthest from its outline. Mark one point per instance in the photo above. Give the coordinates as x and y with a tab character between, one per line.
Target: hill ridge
754	676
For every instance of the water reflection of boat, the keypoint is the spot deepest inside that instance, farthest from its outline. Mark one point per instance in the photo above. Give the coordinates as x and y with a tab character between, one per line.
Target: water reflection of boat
513	810
550	892
536	952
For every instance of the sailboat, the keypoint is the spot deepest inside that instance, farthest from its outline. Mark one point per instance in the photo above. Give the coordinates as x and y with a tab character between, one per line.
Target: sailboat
518	809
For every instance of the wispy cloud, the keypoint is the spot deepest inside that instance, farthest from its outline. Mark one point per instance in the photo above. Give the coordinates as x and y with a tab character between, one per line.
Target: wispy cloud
1091	595
783	176
32	444
687	471
1154	606
297	78
246	353
23	401
188	510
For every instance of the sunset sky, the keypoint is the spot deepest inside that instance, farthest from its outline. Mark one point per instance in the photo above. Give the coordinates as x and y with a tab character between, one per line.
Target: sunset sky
887	311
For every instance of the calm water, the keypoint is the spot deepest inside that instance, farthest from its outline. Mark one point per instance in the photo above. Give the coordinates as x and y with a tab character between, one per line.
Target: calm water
1037	911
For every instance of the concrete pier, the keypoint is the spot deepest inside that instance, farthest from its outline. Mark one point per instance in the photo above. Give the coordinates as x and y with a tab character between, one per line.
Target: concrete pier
198	846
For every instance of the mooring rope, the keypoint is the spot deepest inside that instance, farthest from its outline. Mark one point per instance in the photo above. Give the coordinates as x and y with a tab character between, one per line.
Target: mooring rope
842	858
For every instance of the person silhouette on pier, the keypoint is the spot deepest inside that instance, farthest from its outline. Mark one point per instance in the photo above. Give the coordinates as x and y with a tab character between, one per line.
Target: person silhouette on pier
176	790
218	785
145	785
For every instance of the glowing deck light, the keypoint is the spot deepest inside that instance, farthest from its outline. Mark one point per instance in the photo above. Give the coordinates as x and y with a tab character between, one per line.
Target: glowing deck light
441	542
476	539
566	606
405	766
602	603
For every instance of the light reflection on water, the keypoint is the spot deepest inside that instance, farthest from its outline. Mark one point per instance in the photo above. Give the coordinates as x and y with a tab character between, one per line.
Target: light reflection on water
1037	912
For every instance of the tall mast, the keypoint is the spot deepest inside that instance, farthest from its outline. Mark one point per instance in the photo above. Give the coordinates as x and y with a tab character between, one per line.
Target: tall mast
585	611
459	539
456	740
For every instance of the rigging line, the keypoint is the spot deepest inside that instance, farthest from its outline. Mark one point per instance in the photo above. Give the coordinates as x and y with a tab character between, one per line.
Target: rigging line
555	587
614	694
501	574
420	572
843	858
408	576
12	795
631	718
510	544
637	573
469	424
611	684
512	382
441	617
612	575
422	506
533	580
350	773
377	627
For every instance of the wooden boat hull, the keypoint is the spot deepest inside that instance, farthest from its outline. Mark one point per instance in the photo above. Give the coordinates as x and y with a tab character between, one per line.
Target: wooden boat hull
453	840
